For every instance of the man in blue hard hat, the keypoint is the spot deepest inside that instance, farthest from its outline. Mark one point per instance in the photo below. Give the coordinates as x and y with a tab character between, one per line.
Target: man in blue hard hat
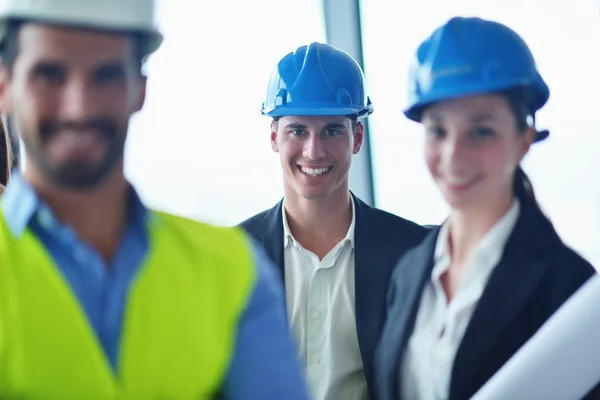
335	252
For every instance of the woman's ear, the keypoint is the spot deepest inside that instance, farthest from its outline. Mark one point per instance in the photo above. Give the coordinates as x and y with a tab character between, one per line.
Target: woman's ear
528	139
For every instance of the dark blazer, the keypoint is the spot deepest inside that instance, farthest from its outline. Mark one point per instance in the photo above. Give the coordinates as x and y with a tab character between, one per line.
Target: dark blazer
380	239
535	275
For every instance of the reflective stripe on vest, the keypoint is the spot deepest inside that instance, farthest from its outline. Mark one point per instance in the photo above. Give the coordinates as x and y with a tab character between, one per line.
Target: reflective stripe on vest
179	323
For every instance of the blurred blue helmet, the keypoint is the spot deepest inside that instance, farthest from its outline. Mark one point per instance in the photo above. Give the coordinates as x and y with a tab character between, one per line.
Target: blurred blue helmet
317	79
468	56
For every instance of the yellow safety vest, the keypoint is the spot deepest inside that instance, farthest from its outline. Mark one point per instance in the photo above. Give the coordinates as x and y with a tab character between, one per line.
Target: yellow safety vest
179	323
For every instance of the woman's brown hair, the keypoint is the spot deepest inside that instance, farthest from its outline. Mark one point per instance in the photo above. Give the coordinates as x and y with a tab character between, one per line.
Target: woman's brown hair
519	102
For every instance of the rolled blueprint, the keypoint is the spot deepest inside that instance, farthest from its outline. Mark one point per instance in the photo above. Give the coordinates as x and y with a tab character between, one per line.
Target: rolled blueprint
561	361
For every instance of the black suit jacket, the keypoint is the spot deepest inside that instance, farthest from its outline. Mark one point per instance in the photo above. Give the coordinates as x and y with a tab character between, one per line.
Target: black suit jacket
535	275
380	239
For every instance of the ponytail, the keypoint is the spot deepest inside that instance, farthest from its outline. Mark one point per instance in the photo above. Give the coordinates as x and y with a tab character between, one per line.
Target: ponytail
520	100
522	186
524	189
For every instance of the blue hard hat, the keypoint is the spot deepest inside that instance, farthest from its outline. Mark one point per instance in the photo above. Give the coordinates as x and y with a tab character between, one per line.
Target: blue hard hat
467	56
317	79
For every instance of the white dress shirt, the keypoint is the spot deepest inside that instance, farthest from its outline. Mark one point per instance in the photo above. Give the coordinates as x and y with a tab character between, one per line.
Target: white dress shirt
320	306
427	363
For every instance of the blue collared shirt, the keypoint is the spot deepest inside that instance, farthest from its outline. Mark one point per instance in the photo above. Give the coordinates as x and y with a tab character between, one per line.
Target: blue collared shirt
264	365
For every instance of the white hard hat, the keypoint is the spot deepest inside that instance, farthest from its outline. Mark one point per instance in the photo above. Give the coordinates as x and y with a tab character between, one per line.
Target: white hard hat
119	15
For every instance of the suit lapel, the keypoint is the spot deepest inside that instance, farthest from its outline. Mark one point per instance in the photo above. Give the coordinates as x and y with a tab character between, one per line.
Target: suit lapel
270	236
408	280
365	282
510	286
369	258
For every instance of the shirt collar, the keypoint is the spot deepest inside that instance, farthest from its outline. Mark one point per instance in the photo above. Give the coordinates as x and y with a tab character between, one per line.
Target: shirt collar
490	246
287	234
20	204
441	245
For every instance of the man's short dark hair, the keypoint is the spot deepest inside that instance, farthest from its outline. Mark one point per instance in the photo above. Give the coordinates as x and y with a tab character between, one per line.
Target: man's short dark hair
9	47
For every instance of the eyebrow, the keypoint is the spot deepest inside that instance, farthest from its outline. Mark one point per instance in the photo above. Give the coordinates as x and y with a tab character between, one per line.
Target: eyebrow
48	63
295	126
331	125
112	65
335	125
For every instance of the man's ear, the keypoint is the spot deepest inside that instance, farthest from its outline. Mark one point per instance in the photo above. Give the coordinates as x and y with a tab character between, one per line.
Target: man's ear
274	137
359	135
141	95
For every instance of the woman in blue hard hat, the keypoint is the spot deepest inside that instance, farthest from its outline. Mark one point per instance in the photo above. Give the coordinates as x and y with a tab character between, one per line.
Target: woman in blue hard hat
478	287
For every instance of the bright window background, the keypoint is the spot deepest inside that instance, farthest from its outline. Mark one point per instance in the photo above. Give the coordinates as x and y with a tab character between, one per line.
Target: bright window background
565	39
200	147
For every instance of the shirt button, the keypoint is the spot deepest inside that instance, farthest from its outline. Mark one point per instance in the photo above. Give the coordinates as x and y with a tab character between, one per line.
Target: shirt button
317	360
316	314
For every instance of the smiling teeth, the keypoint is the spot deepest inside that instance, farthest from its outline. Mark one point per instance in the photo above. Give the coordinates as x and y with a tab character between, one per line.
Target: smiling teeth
315	171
